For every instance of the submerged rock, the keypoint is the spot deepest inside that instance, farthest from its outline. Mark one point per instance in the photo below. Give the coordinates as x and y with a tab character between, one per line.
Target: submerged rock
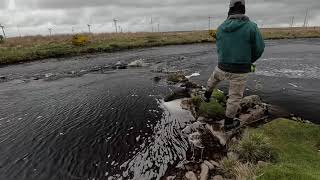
3	78
137	63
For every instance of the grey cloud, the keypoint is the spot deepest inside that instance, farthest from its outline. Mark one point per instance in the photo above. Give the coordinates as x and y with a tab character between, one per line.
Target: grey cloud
136	15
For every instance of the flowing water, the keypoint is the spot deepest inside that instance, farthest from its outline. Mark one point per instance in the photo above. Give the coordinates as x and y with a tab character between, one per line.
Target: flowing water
75	118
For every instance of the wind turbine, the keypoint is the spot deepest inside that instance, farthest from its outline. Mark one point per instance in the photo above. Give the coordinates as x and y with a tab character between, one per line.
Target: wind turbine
115	24
89	27
4	33
50	31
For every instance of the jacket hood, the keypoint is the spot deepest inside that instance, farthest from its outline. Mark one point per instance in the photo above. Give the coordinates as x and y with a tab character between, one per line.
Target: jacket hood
233	23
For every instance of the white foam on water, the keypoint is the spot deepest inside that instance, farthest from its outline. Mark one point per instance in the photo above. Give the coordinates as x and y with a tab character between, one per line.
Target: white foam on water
293	85
167	145
306	72
193	75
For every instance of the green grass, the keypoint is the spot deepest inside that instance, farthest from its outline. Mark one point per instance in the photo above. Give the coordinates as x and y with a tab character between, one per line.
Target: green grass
254	147
297	146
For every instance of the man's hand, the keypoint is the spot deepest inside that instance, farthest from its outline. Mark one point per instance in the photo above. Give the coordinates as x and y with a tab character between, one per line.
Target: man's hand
208	95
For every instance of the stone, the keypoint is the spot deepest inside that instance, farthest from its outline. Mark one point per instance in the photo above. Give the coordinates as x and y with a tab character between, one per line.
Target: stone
191	176
218	177
217	131
178	94
2	78
170	177
204	172
137	63
195	139
232	155
190	85
250	102
262	163
48	75
177	78
120	65
157	79
193	128
214	163
254	114
211	166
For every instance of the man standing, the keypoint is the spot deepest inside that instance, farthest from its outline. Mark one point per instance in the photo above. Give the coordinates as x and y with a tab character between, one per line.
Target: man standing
239	45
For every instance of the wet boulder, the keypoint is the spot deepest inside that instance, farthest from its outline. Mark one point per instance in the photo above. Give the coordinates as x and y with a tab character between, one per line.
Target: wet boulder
257	113
190	85
250	102
178	93
137	63
177	78
120	65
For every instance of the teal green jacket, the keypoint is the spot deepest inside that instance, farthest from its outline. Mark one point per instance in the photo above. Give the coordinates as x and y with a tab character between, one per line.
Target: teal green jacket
239	44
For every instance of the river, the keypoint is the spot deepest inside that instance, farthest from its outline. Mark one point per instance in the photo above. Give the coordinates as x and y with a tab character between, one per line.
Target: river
76	118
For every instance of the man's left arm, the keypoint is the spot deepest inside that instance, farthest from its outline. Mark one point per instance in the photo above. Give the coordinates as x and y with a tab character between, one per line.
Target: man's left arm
257	45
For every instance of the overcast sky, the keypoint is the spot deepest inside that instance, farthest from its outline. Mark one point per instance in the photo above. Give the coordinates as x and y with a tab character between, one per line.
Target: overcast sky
32	17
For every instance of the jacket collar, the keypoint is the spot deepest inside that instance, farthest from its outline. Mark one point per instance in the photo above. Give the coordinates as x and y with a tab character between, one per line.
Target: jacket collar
239	16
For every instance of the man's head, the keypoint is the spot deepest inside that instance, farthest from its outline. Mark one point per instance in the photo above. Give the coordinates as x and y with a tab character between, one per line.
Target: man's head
237	7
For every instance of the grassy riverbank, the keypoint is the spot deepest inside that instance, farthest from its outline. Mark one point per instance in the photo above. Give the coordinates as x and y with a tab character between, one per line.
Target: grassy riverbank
298	149
31	48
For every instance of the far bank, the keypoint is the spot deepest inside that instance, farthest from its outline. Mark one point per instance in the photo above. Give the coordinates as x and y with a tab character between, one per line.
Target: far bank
16	50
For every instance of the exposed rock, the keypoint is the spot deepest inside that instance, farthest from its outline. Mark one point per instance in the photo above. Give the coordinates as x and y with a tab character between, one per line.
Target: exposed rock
190	84
137	63
218	177
204	172
178	94
217	131
259	112
250	102
195	139
177	78
232	155
195	127
210	166
157	79
48	75
120	65
215	163
191	176
170	177
262	163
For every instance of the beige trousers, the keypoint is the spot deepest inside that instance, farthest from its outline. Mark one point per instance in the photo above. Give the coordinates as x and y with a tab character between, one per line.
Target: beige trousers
236	88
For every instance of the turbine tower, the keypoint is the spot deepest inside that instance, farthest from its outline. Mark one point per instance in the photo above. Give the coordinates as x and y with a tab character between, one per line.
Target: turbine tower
115	24
89	27
4	33
305	24
50	31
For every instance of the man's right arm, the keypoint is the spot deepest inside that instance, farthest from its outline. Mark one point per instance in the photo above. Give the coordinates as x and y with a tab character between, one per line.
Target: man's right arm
257	44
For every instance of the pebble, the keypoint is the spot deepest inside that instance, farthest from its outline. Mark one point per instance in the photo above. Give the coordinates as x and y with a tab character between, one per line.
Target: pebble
218	177
211	166
215	163
191	175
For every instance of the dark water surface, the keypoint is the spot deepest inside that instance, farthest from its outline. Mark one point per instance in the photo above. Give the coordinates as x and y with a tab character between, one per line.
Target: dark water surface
81	120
